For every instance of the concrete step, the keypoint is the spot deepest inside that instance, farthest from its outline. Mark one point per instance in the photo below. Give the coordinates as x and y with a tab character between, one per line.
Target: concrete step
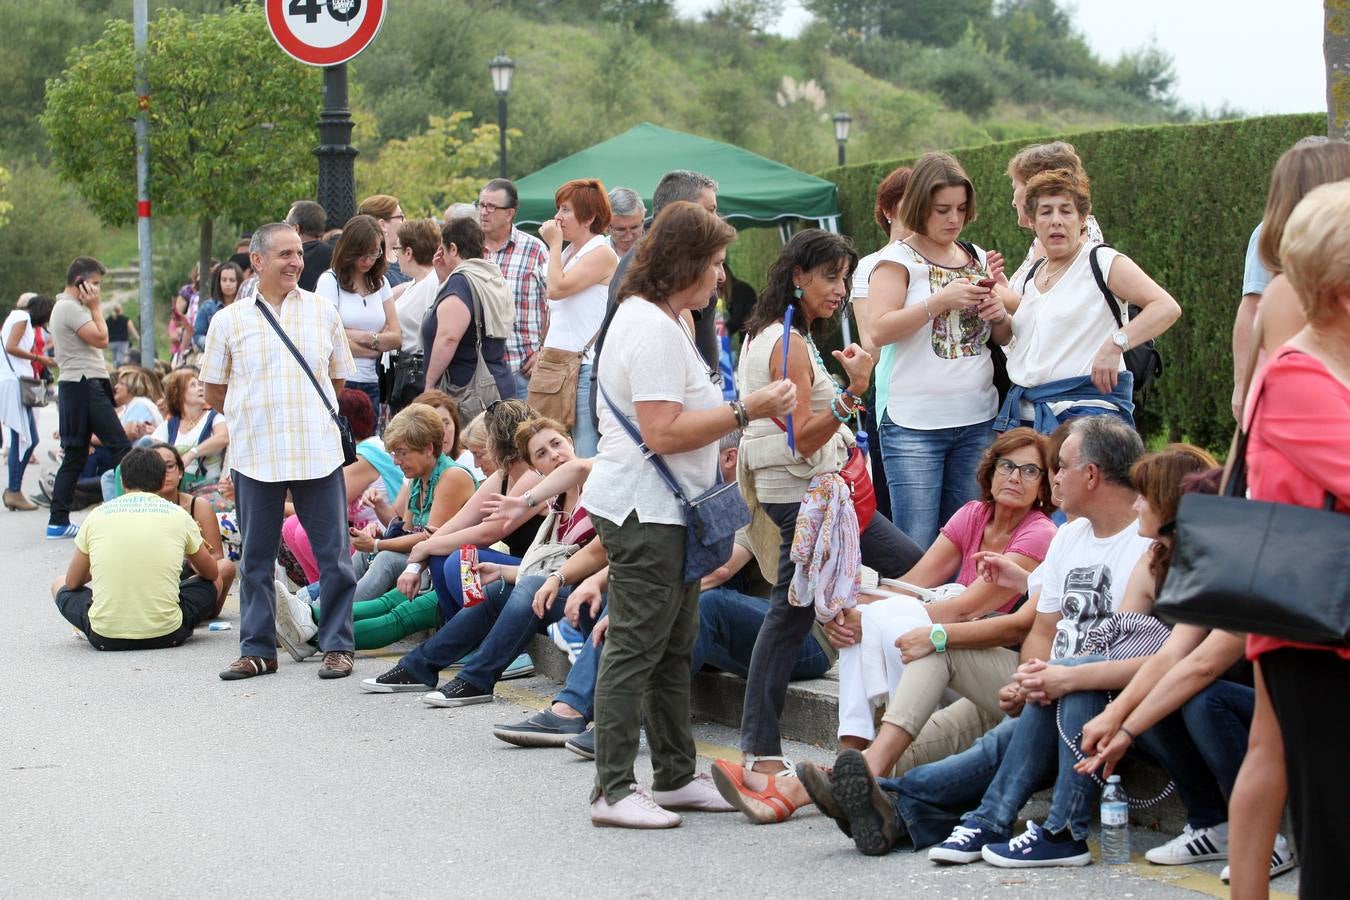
811	715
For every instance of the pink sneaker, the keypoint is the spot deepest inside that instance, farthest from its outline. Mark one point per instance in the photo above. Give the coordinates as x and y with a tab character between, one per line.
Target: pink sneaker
637	810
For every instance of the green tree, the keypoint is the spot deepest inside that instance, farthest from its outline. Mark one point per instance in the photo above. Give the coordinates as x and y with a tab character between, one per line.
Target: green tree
5	205
231	122
48	227
444	164
937	23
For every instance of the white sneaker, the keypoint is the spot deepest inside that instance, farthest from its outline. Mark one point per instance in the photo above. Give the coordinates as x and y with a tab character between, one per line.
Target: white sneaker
1192	845
700	795
637	810
1281	859
295	624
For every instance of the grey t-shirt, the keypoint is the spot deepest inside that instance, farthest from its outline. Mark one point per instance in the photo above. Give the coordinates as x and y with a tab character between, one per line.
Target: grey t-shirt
75	358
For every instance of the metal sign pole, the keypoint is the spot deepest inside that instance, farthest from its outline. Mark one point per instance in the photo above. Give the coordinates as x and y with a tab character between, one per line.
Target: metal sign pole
141	27
337	156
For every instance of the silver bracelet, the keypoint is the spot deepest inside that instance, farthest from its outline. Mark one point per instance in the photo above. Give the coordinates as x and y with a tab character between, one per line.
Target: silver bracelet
927	308
562	579
528	497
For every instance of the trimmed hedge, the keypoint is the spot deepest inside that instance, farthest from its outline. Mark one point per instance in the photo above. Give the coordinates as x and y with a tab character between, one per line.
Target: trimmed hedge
1181	200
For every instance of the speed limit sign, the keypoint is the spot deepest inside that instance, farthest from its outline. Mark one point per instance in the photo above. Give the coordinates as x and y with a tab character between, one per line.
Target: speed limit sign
324	32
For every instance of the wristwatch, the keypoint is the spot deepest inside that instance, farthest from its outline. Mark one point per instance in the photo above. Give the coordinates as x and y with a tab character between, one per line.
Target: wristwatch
1121	340
939	638
562	579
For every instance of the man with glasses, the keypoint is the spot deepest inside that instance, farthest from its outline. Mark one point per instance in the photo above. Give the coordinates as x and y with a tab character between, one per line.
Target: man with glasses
977	794
627	212
523	260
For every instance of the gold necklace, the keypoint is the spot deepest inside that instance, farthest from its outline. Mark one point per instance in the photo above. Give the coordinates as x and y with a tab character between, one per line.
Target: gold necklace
1045	285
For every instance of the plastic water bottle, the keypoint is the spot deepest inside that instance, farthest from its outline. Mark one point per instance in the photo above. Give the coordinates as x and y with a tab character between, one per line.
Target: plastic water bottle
1115	823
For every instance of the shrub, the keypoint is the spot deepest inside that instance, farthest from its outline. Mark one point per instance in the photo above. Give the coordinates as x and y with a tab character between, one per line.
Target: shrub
1181	200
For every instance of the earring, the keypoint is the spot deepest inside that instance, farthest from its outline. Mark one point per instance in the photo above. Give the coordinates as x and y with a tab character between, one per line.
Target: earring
796	292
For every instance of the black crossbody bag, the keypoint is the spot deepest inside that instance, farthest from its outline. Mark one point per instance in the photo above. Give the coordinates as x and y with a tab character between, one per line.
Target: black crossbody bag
344	429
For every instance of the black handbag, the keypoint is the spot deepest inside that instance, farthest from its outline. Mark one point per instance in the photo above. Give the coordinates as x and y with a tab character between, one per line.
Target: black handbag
344	429
711	519
1264	568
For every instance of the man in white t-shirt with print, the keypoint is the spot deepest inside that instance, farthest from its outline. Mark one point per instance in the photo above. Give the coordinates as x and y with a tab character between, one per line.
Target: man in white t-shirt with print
1081	582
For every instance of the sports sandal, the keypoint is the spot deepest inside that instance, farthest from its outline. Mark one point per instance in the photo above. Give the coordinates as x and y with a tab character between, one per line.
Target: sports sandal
761	807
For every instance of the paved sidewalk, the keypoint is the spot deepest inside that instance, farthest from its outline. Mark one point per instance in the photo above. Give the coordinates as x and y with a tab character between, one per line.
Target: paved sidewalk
142	774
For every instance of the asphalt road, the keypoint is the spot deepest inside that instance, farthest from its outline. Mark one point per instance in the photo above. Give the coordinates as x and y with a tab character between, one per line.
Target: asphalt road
144	775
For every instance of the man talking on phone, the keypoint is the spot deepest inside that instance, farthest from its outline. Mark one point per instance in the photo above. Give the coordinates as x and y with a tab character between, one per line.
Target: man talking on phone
84	397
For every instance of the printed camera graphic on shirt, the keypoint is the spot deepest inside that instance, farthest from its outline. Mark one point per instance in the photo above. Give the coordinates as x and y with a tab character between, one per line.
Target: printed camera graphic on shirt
1086	604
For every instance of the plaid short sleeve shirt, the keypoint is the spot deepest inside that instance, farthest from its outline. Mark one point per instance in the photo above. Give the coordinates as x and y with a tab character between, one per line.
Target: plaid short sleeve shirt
279	428
524	263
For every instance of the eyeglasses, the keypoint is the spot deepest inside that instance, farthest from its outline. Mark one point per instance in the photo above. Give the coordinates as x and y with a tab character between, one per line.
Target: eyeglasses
490	208
372	256
398	218
401	452
1028	471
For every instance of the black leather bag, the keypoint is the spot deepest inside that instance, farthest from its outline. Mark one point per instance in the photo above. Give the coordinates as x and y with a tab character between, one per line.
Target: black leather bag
344	429
1264	568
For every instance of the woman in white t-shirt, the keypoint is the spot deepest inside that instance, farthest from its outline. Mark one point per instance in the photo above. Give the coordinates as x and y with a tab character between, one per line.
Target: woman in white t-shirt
935	301
887	214
197	431
19	332
357	287
654	376
1065	350
578	287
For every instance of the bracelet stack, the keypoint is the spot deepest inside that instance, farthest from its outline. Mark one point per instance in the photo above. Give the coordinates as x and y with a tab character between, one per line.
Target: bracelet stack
739	411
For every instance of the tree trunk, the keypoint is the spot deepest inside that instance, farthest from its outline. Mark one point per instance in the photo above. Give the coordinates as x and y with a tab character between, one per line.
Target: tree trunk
1336	49
204	258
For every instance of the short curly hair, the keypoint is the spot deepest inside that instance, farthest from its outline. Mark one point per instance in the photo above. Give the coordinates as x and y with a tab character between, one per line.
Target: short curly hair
416	427
1059	183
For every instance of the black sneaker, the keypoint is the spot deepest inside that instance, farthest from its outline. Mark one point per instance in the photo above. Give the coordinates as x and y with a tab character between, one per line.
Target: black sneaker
543	729
456	692
583	745
396	680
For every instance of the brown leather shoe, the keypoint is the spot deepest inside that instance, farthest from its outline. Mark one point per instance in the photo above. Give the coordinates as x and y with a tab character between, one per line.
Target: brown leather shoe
337	664
15	500
818	788
248	667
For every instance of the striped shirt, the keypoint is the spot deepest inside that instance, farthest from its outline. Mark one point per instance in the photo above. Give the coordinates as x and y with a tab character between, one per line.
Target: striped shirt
524	262
279	428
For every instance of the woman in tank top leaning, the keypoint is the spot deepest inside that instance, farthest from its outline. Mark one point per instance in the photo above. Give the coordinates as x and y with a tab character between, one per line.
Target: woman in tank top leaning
1065	350
578	287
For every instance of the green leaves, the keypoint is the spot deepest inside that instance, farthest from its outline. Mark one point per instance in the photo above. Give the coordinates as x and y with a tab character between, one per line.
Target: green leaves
232	119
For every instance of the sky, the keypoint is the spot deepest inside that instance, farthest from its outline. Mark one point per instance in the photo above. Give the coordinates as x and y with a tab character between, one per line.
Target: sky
1235	52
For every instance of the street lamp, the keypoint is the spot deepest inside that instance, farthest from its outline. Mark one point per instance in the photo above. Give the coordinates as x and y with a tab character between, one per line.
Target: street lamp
502	69
842	122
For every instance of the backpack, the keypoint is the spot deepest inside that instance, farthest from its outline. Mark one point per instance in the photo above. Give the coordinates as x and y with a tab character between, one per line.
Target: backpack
1144	362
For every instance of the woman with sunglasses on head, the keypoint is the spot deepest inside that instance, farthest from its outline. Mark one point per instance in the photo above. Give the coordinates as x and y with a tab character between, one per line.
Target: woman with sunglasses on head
811	276
357	287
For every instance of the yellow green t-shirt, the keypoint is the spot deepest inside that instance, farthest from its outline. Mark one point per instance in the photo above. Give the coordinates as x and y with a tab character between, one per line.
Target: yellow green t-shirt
136	544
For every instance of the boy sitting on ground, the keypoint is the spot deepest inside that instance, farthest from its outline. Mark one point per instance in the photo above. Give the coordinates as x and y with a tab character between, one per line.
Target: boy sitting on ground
122	588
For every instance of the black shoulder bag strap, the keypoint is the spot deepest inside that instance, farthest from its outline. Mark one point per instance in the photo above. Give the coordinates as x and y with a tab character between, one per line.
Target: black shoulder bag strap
1111	300
271	320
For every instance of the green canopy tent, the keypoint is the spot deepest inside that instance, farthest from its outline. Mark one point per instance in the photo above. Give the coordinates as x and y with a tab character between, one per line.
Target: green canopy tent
751	190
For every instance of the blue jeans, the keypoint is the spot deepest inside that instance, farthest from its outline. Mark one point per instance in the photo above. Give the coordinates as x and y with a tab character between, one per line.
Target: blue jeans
930	798
931	473
585	434
501	627
728	626
450	590
522	385
1219	721
17	465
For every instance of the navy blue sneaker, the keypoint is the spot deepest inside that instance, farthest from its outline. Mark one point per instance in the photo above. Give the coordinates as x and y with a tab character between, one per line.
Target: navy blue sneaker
1034	848
965	844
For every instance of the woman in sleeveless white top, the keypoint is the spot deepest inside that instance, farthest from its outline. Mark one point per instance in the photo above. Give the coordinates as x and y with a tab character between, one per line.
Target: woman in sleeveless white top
578	287
19	333
932	320
812	274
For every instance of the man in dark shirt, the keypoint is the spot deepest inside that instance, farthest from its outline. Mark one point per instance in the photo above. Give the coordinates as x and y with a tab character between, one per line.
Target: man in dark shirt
308	219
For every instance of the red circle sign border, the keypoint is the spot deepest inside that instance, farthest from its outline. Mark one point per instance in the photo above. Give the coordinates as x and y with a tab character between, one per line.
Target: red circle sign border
323	56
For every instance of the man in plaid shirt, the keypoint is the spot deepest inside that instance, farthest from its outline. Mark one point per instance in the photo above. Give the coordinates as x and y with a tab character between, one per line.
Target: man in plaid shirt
524	261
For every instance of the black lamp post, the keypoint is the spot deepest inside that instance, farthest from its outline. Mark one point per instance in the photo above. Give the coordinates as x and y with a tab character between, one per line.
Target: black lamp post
337	156
502	69
842	122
